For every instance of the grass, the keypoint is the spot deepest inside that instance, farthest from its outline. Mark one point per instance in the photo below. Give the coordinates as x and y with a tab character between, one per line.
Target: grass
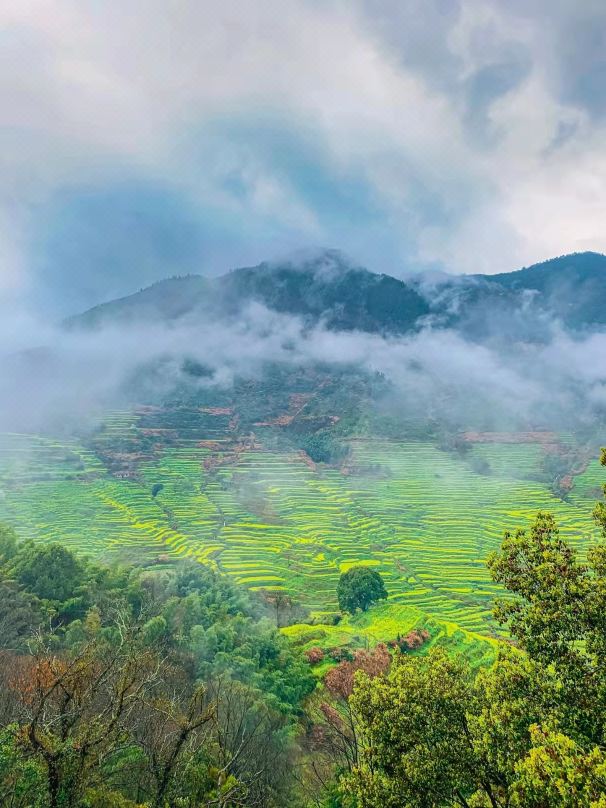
383	623
423	518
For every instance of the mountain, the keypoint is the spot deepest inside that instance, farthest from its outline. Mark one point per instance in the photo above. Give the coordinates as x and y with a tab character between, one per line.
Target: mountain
524	304
327	288
167	300
571	287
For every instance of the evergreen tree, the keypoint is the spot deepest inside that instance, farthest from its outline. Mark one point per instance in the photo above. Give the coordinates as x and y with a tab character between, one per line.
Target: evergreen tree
359	588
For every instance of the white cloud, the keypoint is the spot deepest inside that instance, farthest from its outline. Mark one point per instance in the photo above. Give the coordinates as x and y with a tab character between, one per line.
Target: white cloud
87	88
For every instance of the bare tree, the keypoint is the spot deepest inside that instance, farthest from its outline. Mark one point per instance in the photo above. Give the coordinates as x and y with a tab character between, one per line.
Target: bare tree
279	601
74	709
249	737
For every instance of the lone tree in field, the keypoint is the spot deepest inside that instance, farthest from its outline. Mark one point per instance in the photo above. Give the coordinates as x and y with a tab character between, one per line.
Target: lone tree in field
359	588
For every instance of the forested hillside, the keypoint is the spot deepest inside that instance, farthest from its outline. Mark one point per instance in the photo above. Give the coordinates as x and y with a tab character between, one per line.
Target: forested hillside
138	687
302	404
126	686
258	557
330	289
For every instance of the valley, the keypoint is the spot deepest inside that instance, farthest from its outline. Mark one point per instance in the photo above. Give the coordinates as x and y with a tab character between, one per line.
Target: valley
303	404
275	521
284	423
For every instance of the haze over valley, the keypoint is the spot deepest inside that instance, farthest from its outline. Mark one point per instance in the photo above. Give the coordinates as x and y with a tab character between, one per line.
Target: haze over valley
282	422
302	404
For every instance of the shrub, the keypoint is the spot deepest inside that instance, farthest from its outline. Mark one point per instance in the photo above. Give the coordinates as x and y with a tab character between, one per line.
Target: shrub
314	655
414	639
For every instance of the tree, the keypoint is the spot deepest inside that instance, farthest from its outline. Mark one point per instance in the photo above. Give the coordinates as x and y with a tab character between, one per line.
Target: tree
8	543
325	447
18	616
417	749
340	737
279	601
527	732
558	617
552	590
74	709
169	689
559	772
50	571
339	681
359	588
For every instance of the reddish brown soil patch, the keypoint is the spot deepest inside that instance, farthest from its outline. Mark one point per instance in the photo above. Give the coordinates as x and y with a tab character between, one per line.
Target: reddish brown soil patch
147	409
213	445
281	420
298	400
216	461
227	454
566	483
126	457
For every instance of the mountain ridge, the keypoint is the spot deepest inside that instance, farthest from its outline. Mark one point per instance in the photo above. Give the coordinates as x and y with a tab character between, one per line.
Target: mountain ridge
341	295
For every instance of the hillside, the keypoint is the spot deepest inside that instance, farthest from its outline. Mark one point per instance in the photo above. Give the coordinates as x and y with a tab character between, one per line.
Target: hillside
270	519
326	288
166	301
571	287
329	289
285	474
278	469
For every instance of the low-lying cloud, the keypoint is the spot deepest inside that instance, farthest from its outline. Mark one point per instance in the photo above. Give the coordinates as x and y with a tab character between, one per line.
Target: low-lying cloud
78	376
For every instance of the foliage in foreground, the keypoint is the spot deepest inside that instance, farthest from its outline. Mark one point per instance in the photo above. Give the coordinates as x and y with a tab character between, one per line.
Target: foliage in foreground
169	689
528	732
125	687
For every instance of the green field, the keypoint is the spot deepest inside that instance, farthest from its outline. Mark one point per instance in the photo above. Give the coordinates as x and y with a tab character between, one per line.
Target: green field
423	517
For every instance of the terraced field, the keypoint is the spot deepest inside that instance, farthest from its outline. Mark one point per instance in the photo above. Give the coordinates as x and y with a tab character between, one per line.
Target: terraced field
589	485
424	518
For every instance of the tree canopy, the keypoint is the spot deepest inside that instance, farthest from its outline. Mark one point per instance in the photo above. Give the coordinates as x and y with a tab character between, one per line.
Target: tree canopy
130	687
360	588
526	733
172	688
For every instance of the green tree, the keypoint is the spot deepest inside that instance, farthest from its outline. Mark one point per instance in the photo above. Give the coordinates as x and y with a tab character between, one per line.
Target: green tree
557	615
417	747
359	588
325	447
8	543
169	687
553	592
557	772
51	572
527	732
22	779
19	616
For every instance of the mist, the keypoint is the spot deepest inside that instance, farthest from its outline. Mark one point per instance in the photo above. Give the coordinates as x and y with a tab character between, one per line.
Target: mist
63	381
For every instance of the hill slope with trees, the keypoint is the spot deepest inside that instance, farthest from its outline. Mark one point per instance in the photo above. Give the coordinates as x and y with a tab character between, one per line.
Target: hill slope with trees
143	688
329	289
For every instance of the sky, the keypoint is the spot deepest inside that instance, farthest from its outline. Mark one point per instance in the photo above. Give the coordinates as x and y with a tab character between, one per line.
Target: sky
149	138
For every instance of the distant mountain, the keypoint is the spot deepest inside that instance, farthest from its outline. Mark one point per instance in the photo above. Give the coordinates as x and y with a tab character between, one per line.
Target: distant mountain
524	304
164	301
571	287
325	288
328	289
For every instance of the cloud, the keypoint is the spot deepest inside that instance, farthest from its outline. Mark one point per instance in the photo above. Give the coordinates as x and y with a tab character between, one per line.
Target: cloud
72	381
454	133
